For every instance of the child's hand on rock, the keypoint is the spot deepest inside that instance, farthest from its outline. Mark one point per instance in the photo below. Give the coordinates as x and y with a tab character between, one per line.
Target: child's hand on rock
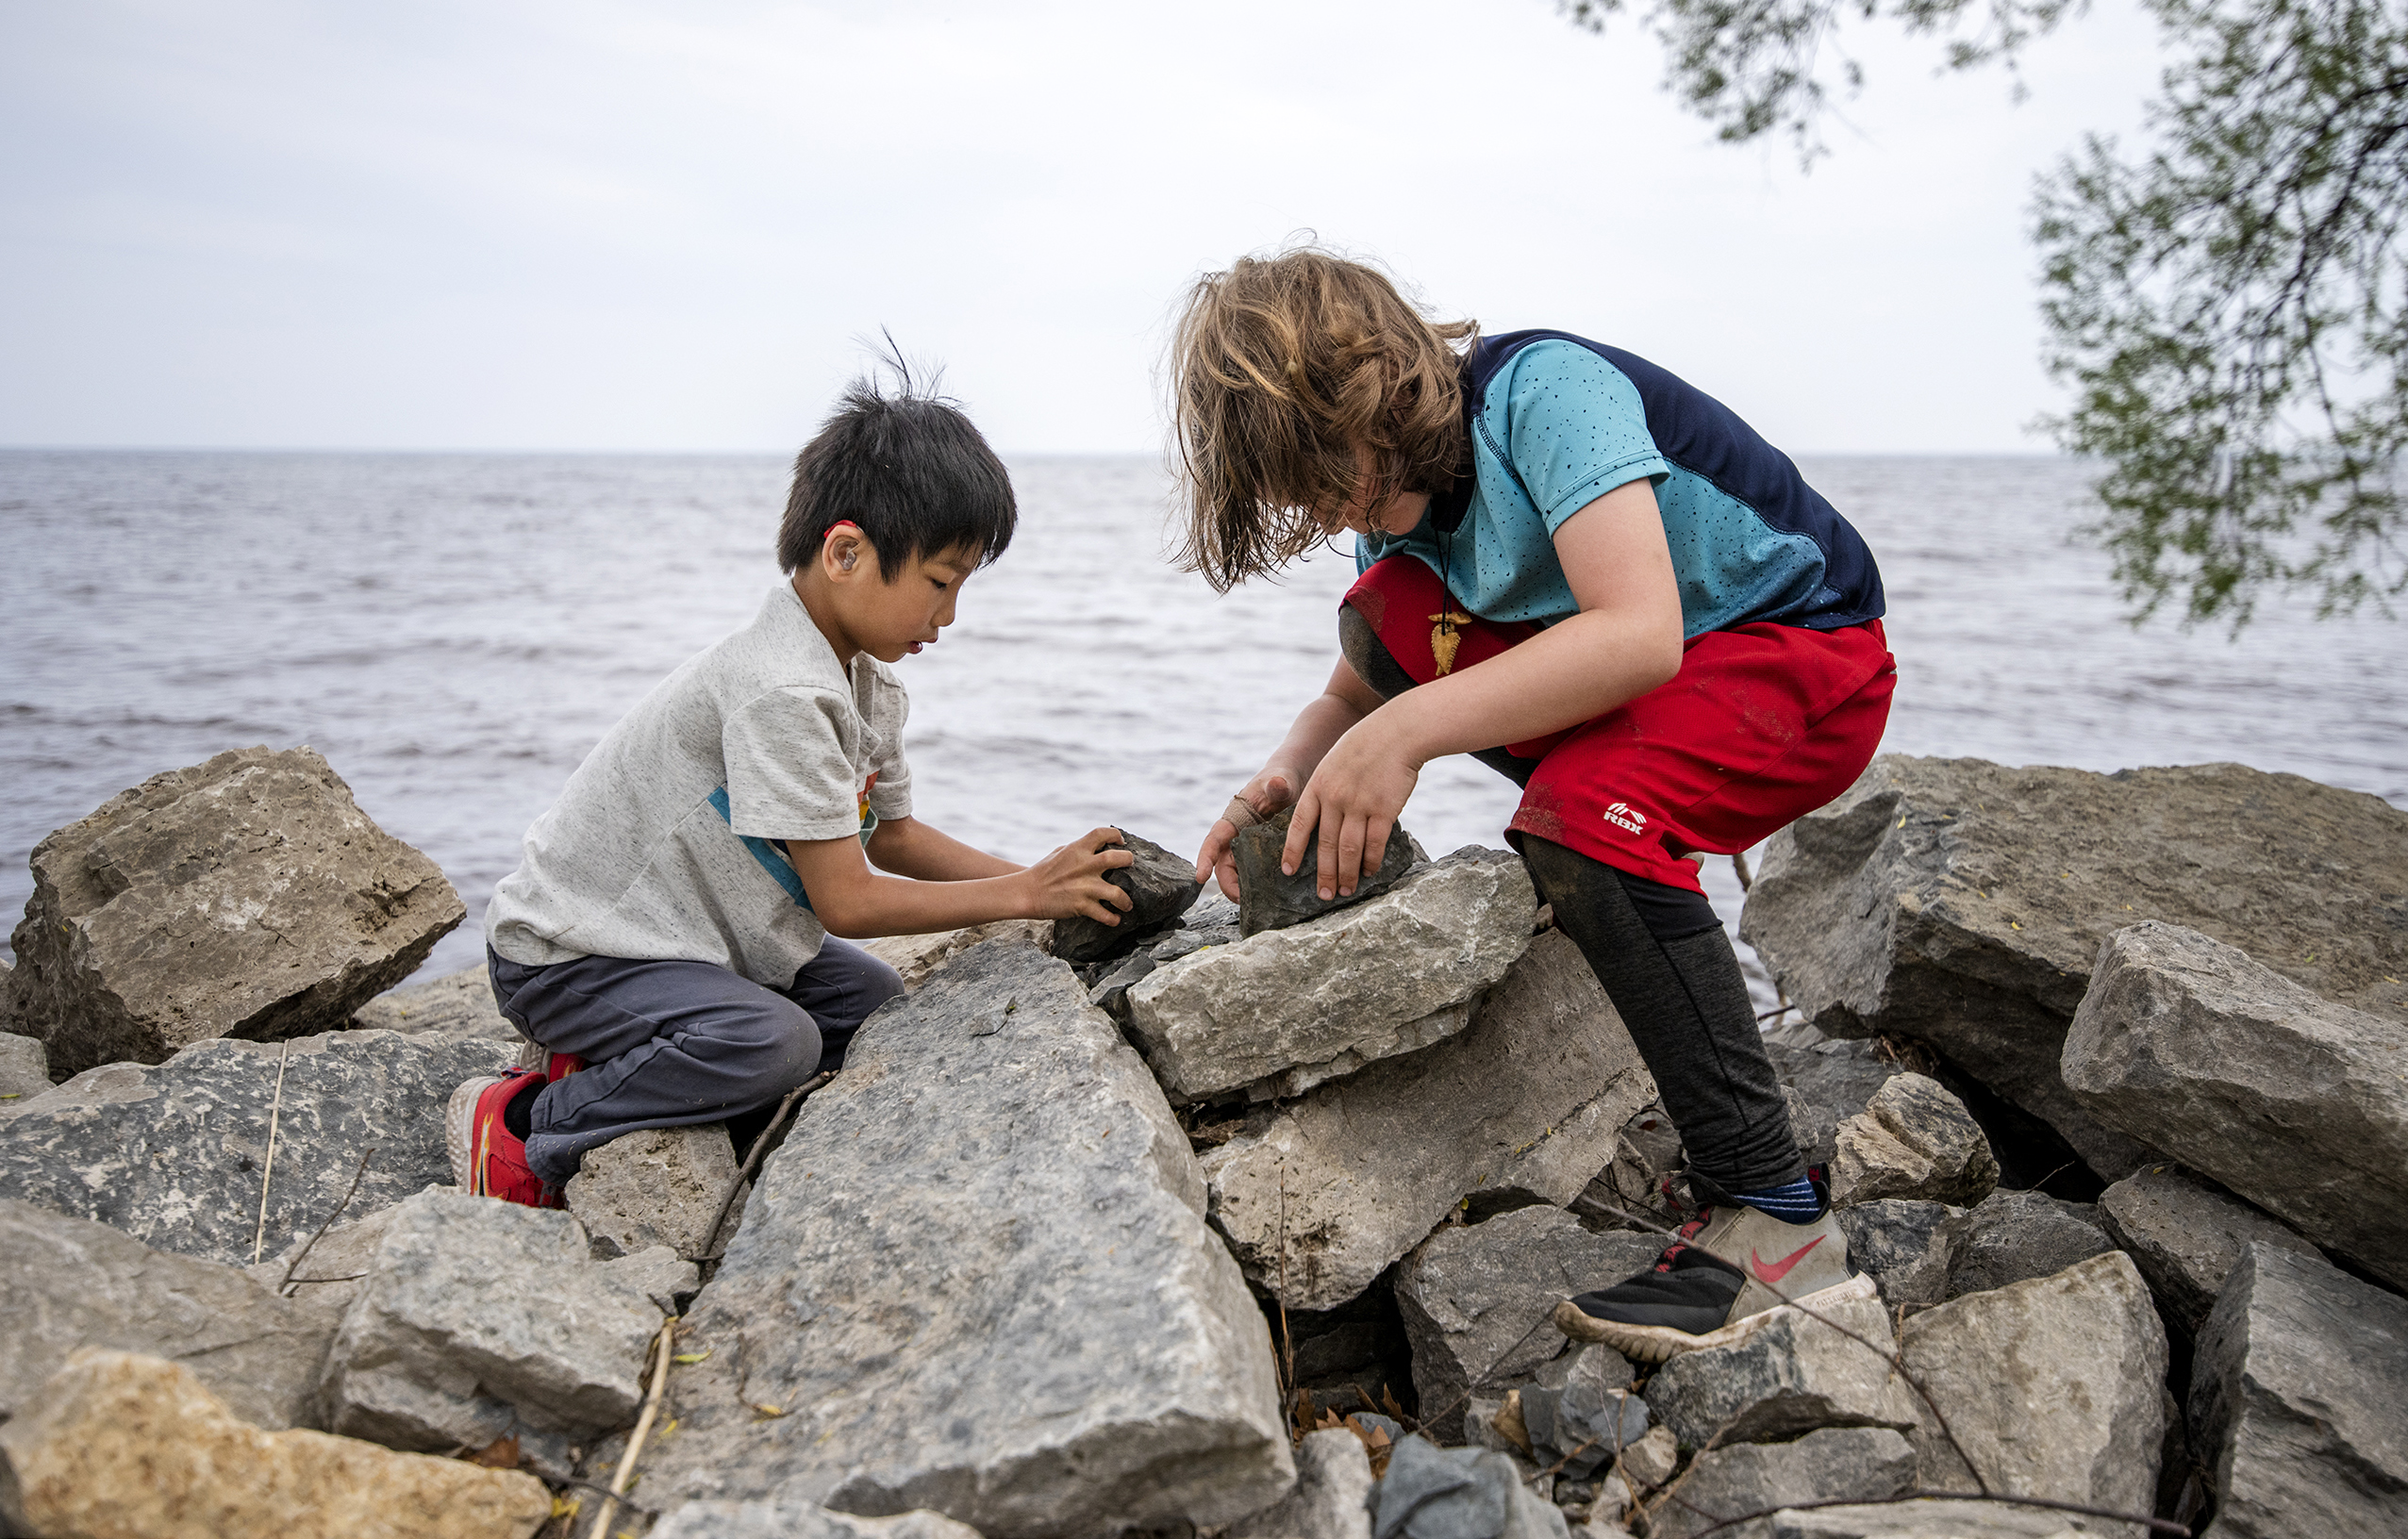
1258	801
1069	883
1356	793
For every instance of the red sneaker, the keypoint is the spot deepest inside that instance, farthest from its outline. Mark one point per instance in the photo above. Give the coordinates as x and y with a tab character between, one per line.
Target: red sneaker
488	1160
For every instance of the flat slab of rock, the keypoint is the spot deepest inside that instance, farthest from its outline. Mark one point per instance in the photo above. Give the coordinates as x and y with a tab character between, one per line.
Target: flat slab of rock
1985	893
914	957
24	1067
457	1004
2296	1398
2010	1236
658	1186
1913	1140
2187	1236
480	1320
1905	1248
1472	1296
1161	885
121	1444
68	1282
1289	1009
1271	900
1792	1374
2052	1387
173	1154
1527	1104
800	1520
248	897
2294	1102
1863	1462
978	1280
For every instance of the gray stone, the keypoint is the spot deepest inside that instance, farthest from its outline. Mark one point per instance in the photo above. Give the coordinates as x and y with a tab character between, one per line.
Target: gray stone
1471	1296
2011	1236
1937	1518
176	1154
1283	1011
1905	1248
659	1187
24	1067
1791	1374
1270	900
659	1274
1865	1462
2296	1401
1332	1498
480	1320
248	897
1583	1427
2186	1236
1111	991
1648	1158
1913	1140
977	1279
328	1273
457	1005
2292	1100
1650	1462
2051	1386
1832	1080
69	1282
1964	904
1160	885
775	1519
1525	1106
1212	923
1434	1493
914	957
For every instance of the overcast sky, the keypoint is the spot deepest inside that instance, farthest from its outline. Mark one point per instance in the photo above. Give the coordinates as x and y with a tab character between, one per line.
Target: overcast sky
619	224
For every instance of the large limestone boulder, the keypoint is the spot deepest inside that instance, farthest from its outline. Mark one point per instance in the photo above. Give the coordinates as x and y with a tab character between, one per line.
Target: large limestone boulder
69	1282
1792	1374
1964	904
457	1005
2053	1387
976	1278
2187	1236
2296	1399
248	897
129	1446
1318	1196
2294	1102
176	1154
1289	1009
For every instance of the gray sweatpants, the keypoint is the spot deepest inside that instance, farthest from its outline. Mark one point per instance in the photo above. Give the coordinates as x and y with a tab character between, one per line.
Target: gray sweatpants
672	1043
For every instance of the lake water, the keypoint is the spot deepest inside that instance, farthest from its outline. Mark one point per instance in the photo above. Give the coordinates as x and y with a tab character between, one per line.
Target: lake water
455	632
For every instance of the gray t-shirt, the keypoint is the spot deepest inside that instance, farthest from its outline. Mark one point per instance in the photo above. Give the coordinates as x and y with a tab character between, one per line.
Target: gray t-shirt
661	846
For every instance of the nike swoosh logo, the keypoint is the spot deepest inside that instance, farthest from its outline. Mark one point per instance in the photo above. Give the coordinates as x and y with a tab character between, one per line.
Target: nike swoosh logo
1780	1270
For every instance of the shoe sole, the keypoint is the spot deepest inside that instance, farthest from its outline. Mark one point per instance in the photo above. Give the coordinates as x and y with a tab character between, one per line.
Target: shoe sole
459	1129
1661	1343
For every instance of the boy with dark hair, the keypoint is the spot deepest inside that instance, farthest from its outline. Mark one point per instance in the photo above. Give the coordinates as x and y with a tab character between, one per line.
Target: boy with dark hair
670	935
1599	581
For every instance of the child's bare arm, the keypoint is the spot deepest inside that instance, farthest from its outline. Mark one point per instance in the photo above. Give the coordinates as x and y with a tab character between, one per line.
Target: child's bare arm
1342	703
856	903
908	847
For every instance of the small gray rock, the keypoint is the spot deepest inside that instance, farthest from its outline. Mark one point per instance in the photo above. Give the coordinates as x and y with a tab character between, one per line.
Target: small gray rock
1647	1159
1160	885
658	1186
1790	1375
2187	1236
2010	1236
1332	1498
2296	1399
659	1273
1865	1463
25	1069
1913	1140
1111	991
1586	1425
1434	1493
1270	900
1905	1248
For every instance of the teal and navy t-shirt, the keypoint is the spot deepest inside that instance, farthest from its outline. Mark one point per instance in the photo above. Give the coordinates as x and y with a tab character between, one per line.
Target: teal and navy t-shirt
1557	421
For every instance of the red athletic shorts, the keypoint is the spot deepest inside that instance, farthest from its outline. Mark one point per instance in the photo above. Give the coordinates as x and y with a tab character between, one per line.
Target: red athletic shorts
1762	725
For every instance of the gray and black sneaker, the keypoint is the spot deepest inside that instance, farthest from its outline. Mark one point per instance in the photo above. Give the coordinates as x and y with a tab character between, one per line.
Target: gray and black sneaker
1716	1283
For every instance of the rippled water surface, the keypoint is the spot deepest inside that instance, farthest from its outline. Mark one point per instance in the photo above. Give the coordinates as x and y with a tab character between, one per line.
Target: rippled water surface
455	632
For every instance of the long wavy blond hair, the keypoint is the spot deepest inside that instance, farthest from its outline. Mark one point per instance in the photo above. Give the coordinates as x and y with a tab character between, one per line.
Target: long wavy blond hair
1281	367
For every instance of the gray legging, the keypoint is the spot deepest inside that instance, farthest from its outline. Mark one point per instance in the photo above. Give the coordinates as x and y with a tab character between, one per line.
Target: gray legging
672	1043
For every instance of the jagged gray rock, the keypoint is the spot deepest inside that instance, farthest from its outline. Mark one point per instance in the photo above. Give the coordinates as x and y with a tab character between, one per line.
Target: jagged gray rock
1332	1498
1472	1295
1434	1493
69	1282
1860	1462
914	957
480	1320
248	897
1586	1425
774	1519
1526	1105
2292	1100
24	1067
1835	1080
175	1154
659	1187
1964	904
1905	1248
1270	900
457	1005
1933	1518
977	1279
2186	1236
1647	1157
2296	1398
2010	1236
1913	1140
2051	1386
1160	885
1792	1374
1289	1009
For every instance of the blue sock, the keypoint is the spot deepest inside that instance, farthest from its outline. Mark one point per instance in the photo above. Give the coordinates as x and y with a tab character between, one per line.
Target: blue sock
1794	1203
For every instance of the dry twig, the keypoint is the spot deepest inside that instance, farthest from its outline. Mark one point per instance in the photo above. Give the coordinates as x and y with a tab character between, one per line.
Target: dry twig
753	1161
644	1430
276	1110
285	1282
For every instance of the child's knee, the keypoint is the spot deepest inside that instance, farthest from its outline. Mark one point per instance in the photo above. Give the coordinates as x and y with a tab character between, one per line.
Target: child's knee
879	984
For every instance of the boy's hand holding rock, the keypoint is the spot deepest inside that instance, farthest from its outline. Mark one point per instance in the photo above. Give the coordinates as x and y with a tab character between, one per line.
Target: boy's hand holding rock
1070	883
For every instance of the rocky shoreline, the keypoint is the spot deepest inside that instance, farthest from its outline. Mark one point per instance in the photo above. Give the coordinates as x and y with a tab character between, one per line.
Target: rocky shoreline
1238	1223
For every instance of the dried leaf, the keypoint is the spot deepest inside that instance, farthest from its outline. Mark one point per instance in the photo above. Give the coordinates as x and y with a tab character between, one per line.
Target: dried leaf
502	1454
686	1360
763	1413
